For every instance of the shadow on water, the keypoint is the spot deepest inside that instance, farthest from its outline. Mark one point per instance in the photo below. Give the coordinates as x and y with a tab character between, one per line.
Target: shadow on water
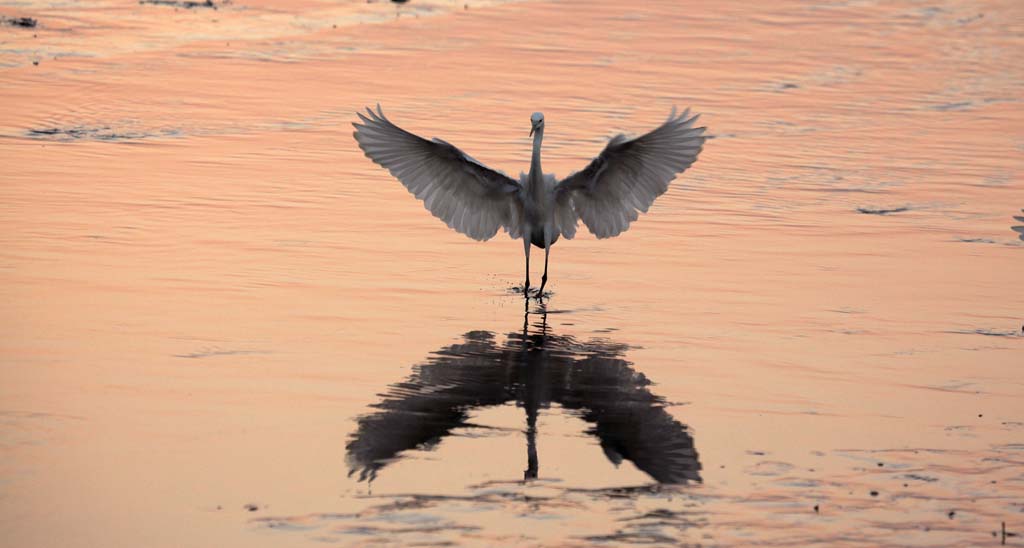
534	369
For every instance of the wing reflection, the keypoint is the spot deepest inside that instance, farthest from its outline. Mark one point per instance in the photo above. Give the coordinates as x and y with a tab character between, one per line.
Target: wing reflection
534	370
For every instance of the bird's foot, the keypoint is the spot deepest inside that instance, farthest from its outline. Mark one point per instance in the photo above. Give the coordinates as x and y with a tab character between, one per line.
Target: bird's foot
540	292
520	290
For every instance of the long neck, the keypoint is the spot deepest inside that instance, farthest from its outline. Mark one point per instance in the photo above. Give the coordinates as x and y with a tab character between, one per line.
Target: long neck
536	174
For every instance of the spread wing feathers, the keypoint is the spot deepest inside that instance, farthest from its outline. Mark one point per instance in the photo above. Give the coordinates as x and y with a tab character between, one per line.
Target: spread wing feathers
467	195
630	173
565	217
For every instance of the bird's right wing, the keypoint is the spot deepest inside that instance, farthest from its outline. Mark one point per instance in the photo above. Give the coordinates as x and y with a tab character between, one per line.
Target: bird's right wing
629	174
467	195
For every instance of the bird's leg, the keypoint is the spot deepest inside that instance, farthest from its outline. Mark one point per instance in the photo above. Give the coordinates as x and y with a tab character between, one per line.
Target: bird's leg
544	278
526	249
532	464
547	250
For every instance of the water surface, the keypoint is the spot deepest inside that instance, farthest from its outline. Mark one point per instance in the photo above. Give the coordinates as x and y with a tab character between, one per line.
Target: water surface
225	326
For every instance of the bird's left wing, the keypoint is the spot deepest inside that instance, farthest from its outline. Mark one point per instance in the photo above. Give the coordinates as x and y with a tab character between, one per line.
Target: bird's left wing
467	195
630	173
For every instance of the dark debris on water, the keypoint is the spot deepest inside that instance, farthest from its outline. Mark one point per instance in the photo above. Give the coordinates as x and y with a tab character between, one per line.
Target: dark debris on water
24	22
187	4
1003	533
920	477
98	133
882	210
976	240
986	332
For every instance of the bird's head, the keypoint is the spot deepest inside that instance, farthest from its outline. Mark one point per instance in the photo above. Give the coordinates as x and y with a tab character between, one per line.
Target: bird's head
537	122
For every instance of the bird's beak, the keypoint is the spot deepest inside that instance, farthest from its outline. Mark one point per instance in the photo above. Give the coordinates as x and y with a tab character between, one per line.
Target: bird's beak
534	128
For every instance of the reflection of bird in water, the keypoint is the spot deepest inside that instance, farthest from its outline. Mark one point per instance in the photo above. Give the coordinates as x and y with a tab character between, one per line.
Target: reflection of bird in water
535	370
475	200
1019	229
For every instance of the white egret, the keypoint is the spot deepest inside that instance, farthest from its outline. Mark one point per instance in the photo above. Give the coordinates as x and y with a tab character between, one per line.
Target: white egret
476	200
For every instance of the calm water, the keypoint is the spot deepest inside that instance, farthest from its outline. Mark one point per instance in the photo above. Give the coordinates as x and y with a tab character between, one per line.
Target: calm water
223	326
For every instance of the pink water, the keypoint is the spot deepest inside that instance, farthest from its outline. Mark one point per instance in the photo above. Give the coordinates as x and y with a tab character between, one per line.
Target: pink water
214	308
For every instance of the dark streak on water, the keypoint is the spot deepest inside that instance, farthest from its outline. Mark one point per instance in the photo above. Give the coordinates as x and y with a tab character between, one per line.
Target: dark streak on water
187	4
976	240
211	353
23	22
97	133
987	332
882	210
